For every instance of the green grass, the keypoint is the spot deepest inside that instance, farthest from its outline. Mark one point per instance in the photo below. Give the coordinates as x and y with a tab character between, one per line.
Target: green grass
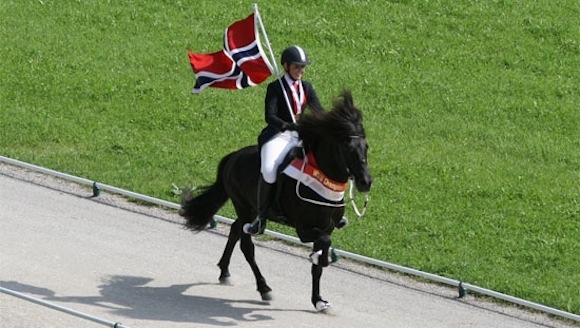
471	110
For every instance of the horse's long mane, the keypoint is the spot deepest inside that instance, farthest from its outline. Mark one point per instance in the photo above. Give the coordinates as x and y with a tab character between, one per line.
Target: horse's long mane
342	121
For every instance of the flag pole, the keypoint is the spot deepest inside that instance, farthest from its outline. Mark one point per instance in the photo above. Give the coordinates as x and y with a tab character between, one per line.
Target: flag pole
273	59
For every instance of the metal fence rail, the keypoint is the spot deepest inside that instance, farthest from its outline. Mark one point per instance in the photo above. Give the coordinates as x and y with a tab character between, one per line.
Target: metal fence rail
462	287
63	309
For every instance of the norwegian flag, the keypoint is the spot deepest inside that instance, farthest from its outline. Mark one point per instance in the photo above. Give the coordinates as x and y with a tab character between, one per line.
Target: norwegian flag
240	64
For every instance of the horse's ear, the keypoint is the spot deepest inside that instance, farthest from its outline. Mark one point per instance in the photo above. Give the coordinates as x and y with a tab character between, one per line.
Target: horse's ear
347	99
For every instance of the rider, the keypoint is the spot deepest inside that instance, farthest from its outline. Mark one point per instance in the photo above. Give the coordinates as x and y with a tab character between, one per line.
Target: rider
280	135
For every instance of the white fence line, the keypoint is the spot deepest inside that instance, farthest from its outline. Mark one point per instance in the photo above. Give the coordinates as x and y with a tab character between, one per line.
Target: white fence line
463	287
62	309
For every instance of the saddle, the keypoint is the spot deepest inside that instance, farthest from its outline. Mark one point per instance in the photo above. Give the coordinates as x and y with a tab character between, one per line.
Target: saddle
296	152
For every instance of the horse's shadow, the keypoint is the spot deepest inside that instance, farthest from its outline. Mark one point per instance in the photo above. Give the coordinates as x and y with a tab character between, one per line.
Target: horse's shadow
128	296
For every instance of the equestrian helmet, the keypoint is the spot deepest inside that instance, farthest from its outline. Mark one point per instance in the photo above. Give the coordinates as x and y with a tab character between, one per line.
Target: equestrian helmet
295	55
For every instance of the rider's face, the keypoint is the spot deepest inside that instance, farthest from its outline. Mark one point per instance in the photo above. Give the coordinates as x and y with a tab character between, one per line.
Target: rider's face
295	71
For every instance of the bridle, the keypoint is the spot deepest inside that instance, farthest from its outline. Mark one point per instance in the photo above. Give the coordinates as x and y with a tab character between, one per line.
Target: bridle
352	189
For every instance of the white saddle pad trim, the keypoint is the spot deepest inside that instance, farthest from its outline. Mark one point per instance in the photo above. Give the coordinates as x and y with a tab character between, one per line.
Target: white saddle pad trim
314	184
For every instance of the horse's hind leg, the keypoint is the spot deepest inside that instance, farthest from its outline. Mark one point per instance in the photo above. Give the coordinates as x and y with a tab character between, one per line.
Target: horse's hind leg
224	263
248	249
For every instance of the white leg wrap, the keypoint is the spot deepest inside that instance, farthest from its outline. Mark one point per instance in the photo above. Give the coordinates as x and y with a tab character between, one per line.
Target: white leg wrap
314	257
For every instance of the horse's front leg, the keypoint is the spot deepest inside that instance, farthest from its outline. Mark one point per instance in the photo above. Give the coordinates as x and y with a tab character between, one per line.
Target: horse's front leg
319	258
248	249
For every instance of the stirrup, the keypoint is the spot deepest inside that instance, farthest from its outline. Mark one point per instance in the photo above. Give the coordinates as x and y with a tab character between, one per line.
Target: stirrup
255	228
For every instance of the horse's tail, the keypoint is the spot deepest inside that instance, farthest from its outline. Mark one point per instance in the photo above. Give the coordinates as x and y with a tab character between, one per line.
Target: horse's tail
198	210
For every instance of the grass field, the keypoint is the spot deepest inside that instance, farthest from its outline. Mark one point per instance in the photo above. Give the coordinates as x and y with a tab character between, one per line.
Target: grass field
471	111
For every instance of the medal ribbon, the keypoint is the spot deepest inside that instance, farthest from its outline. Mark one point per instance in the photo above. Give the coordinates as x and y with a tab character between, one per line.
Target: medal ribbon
298	96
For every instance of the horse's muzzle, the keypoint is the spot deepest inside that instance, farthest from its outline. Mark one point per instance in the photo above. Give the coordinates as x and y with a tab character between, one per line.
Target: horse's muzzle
363	184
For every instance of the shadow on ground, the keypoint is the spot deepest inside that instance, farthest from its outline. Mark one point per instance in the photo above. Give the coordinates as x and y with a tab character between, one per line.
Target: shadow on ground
129	296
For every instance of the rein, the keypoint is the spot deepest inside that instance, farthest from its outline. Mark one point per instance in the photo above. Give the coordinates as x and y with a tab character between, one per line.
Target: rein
316	202
351	200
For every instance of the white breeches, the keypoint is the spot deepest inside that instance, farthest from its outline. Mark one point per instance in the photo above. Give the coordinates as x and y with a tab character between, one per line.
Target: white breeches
274	151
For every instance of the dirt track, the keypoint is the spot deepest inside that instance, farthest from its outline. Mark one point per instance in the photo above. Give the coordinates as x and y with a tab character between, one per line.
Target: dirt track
134	264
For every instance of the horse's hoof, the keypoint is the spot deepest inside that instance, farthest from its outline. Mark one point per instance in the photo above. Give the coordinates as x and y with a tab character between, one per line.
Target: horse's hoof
267	296
225	281
322	306
342	223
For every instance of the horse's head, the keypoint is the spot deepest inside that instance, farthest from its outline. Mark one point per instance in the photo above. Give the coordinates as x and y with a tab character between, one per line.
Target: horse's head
339	141
356	152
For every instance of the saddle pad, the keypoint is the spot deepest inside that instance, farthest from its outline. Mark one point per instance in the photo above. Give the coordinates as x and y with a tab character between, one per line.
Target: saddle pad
315	179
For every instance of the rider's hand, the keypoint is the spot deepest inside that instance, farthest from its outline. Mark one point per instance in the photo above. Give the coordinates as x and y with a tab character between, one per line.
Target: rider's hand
289	126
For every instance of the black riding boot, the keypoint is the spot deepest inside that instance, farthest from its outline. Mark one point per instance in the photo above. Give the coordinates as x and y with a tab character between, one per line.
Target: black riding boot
265	195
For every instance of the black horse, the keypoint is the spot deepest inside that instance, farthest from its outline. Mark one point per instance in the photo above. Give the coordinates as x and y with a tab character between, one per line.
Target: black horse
335	140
